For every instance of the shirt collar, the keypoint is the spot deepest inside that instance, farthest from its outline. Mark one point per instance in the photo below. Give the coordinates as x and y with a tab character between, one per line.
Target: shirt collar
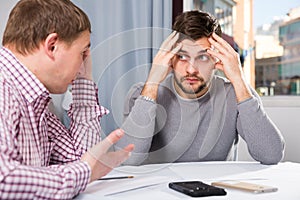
27	83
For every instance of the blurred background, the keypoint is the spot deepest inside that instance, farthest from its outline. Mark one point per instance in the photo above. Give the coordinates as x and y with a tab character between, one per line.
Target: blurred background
126	35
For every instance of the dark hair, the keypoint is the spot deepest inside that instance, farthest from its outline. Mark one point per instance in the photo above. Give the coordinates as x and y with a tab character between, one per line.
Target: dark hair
31	21
196	24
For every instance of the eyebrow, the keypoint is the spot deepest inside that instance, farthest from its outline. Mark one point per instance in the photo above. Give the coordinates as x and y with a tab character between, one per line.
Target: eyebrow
201	51
87	46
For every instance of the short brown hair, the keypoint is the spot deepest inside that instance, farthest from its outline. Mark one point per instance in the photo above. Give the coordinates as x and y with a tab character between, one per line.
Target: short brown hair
31	21
196	24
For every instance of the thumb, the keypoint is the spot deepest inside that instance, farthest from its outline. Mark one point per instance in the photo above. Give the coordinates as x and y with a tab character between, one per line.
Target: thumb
103	146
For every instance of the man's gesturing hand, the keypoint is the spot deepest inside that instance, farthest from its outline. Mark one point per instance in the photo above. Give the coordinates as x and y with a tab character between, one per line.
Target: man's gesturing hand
101	161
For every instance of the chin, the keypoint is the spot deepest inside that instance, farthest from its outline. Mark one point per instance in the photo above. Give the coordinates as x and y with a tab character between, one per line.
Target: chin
191	90
58	90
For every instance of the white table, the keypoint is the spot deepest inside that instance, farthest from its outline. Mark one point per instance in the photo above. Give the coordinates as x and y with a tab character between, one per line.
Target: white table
151	181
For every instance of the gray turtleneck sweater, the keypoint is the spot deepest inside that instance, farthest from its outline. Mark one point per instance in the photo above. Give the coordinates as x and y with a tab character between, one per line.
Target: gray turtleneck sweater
204	129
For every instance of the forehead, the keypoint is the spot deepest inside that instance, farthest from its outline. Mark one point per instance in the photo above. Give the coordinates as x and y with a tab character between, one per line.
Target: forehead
83	40
191	46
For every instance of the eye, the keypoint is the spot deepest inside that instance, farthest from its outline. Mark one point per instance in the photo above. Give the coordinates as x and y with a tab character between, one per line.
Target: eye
204	57
84	54
182	57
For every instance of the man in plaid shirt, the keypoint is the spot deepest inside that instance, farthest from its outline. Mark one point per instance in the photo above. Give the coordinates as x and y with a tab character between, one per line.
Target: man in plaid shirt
46	47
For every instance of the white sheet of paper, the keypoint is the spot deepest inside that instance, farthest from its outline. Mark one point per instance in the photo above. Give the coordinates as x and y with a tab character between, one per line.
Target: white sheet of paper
212	169
111	187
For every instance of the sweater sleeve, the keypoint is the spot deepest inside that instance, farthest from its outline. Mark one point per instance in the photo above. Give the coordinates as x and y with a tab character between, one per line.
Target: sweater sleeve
139	124
264	140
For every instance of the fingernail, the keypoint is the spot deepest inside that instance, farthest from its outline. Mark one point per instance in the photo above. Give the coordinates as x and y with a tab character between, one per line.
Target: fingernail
119	132
129	154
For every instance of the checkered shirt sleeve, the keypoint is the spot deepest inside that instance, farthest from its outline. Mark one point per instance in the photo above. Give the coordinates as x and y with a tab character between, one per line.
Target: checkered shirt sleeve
39	157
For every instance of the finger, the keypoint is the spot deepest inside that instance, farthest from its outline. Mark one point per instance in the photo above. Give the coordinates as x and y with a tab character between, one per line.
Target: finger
167	40
219	66
172	54
173	41
216	54
129	148
124	153
170	42
167	57
218	47
114	159
111	139
176	49
221	41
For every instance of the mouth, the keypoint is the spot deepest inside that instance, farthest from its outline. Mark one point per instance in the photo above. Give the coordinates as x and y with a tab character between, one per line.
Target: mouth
191	80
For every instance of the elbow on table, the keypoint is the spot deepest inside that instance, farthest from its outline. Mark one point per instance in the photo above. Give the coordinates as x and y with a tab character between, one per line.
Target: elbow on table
273	158
270	161
269	156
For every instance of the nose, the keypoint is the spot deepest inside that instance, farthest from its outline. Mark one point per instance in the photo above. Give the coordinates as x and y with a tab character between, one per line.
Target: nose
191	68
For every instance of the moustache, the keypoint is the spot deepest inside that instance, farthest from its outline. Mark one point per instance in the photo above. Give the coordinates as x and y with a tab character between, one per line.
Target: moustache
191	76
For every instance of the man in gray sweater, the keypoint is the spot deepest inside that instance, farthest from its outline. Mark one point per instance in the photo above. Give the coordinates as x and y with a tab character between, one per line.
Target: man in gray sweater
191	114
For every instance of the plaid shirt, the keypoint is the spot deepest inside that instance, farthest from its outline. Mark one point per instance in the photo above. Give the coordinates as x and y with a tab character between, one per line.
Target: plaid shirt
39	157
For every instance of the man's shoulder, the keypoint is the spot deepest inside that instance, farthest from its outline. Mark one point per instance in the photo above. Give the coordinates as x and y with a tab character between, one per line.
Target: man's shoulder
135	90
5	82
166	84
164	89
137	87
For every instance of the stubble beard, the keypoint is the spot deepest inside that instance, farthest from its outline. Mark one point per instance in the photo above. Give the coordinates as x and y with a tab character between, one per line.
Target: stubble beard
187	89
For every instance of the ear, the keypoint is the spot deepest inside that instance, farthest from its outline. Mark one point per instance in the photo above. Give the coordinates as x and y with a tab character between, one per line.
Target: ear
50	45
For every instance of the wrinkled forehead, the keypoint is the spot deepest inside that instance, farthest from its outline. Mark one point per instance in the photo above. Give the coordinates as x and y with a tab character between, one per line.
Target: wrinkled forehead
195	46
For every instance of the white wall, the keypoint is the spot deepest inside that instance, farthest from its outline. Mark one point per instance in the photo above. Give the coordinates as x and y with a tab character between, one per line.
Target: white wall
5	8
